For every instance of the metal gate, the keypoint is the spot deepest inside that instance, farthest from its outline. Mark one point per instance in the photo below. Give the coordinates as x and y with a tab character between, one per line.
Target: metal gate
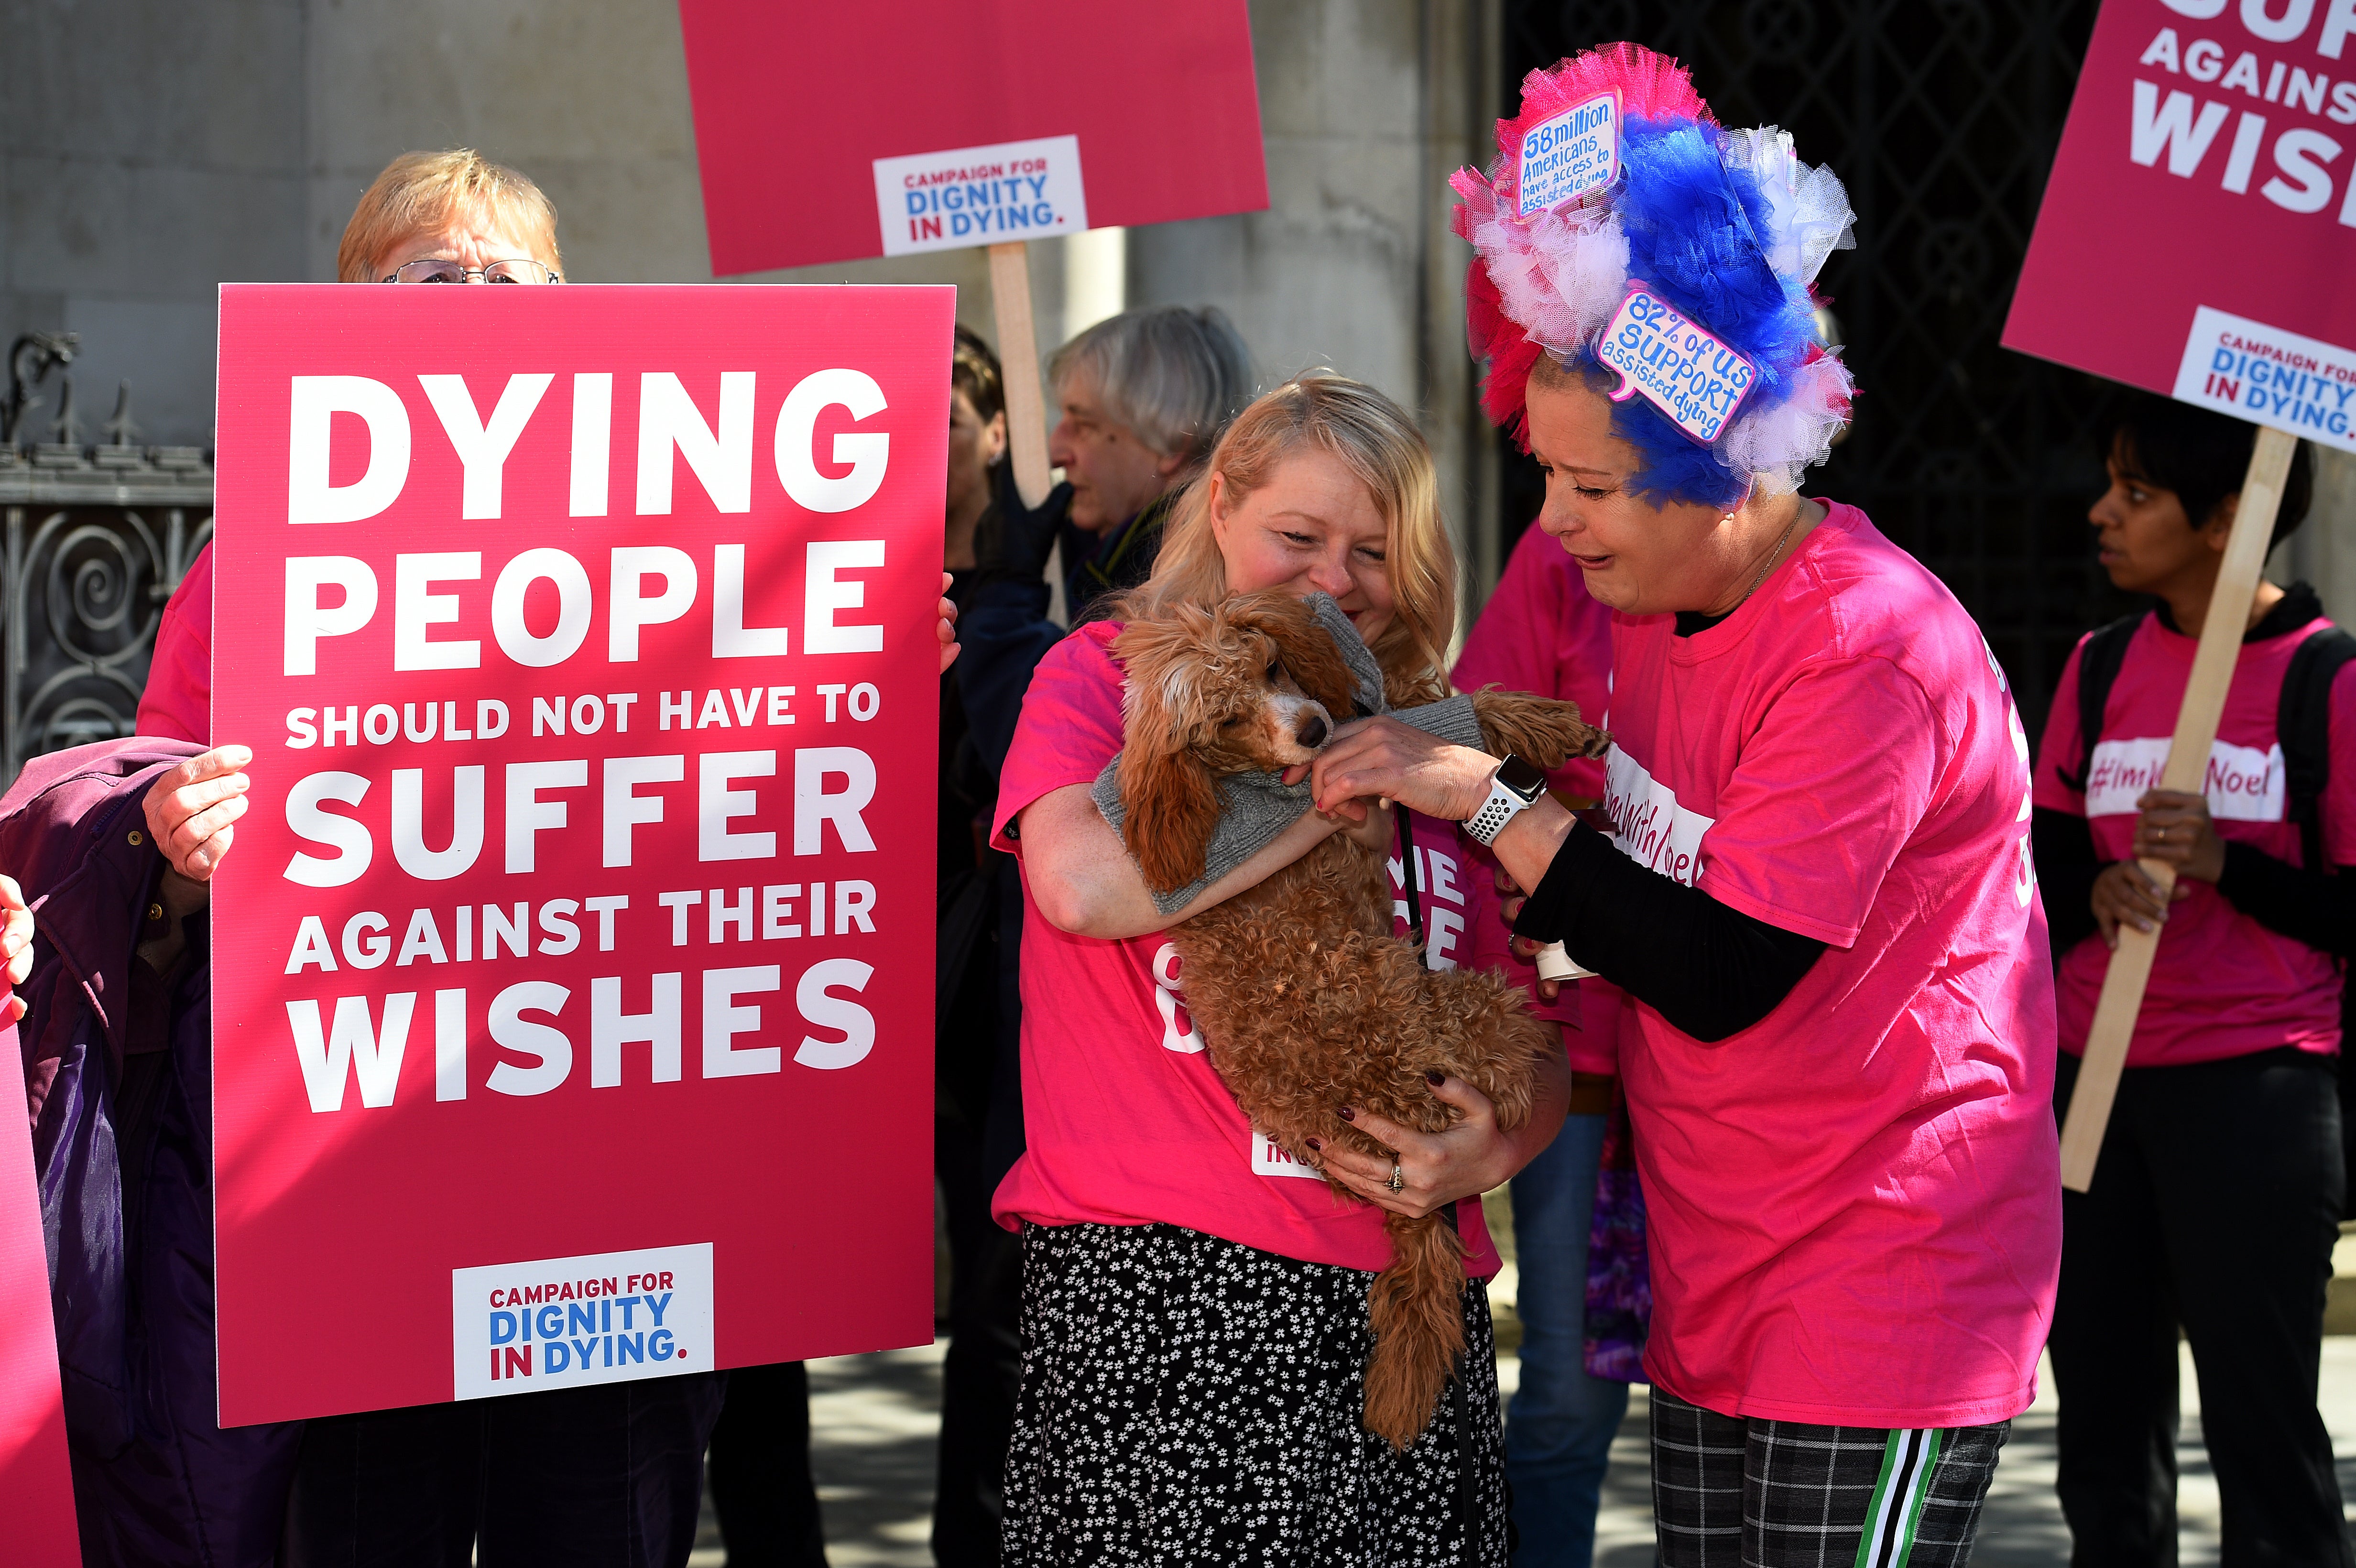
1942	117
94	539
91	554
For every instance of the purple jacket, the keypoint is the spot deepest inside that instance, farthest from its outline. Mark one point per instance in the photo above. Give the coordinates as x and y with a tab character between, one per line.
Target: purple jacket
156	1480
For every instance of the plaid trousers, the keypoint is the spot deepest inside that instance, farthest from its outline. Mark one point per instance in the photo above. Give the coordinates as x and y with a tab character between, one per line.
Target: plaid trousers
1735	1493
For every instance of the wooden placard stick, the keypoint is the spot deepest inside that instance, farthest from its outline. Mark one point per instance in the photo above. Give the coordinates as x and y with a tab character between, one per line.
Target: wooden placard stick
1017	354
1026	403
2187	771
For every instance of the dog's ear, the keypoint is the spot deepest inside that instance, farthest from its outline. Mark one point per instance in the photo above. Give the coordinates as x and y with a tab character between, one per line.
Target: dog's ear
1171	807
1166	666
1304	647
1172	810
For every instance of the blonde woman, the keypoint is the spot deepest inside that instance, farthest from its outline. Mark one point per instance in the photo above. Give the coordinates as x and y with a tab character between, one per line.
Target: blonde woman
1193	1322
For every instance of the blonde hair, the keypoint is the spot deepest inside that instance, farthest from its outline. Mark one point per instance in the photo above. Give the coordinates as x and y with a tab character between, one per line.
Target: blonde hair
422	192
1376	440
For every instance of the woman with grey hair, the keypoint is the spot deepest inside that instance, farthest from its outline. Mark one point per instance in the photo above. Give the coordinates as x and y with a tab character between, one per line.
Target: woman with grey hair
1143	397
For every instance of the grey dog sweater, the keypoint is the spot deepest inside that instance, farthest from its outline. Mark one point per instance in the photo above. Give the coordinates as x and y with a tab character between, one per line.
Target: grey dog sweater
1255	809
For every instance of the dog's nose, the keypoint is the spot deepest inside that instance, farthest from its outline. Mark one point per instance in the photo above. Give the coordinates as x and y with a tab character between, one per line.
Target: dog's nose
1314	731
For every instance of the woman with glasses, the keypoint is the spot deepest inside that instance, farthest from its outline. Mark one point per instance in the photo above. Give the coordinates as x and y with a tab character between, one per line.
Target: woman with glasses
450	218
614	1472
430	218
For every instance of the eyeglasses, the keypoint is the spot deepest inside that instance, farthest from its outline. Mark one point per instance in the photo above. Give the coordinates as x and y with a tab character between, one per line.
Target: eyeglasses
433	270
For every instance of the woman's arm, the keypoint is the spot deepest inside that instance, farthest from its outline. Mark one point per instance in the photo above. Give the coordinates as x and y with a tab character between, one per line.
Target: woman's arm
2305	906
1710	970
2308	906
1084	881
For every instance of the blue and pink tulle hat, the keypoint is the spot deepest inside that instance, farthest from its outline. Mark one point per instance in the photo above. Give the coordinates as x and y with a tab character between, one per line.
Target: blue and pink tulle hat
1623	230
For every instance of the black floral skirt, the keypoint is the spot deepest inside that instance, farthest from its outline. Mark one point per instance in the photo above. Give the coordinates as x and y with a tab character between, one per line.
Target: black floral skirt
1187	1400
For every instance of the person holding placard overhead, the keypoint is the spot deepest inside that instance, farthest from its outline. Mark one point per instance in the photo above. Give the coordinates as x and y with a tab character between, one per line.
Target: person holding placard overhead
1142	398
2216	1197
1817	891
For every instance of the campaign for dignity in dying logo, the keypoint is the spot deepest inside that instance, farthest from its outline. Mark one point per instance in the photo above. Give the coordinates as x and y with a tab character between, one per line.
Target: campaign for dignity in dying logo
601	1318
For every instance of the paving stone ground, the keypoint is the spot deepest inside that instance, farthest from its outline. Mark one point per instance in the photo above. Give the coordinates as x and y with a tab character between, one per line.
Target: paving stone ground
875	1420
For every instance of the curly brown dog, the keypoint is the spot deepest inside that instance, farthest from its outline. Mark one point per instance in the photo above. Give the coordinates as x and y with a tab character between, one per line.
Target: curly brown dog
1306	999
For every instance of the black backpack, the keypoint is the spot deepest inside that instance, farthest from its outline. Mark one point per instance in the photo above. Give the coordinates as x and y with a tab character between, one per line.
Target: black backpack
2303	726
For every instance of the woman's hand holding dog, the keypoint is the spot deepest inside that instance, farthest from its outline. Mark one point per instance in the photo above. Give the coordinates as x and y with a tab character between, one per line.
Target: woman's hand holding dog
1382	759
1470	1157
1511	897
1386	759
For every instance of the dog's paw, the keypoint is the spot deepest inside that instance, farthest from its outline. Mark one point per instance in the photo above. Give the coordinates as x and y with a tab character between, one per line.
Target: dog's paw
1542	730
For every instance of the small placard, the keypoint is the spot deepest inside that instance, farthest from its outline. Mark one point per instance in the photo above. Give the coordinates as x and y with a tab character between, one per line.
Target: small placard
604	1317
2265	374
1677	363
981	195
1567	155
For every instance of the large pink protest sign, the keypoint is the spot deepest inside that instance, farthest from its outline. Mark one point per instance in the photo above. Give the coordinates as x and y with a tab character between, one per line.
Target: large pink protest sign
572	978
36	1477
2198	232
829	132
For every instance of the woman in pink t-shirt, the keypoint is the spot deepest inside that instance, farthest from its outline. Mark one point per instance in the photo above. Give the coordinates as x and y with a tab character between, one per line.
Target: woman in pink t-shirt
2217	1195
1194	1320
1816	886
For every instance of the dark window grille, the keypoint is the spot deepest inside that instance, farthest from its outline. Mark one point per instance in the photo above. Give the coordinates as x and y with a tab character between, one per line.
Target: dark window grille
92	549
1940	116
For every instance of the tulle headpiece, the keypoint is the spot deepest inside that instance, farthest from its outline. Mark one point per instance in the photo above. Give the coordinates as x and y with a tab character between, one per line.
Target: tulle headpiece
1671	252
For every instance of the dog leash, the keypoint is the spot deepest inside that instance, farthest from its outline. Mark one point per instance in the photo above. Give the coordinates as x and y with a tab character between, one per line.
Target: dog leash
1408	881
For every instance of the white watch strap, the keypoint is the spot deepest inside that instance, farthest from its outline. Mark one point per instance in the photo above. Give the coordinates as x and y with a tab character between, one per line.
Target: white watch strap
1502	806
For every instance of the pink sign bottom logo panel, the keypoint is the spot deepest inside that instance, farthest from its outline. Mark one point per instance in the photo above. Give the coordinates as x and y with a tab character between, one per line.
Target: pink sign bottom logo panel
603	1317
2265	374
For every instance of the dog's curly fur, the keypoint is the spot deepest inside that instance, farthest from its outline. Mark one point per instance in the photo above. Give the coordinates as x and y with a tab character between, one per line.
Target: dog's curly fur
1306	1001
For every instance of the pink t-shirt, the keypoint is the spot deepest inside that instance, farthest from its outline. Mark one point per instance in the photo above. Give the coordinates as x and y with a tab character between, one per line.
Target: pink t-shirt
1124	1120
2221	985
1854	1204
1541	633
178	699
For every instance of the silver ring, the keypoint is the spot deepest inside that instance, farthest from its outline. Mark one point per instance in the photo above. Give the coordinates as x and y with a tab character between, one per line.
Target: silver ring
1398	1177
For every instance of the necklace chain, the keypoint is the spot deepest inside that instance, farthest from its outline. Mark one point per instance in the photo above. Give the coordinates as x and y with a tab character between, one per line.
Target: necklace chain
1769	564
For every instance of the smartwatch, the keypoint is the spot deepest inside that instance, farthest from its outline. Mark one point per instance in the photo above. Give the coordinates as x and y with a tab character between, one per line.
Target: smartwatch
1513	789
